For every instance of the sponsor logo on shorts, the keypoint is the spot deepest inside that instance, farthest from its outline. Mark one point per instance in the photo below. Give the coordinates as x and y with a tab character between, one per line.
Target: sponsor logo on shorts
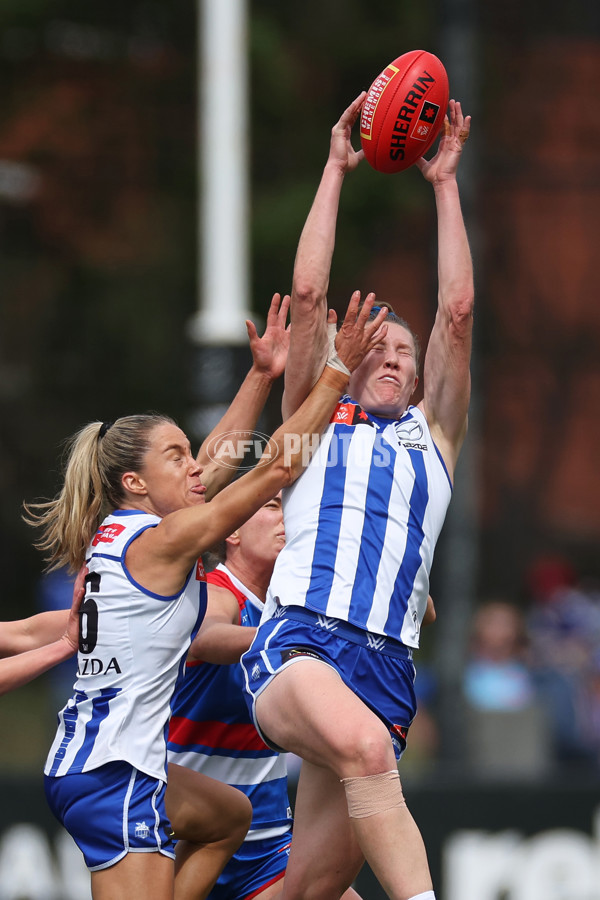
400	730
255	671
141	830
286	655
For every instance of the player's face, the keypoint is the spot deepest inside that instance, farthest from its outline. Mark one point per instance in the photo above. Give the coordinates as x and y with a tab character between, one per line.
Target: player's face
170	473
386	378
263	535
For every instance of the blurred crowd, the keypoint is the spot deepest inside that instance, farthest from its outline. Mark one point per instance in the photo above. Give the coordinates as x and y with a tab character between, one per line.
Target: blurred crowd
531	681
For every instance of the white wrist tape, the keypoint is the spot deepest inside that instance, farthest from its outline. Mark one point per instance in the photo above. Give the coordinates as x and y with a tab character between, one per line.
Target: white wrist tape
333	359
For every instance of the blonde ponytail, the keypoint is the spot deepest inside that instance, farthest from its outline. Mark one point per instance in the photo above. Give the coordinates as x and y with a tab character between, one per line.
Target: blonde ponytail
98	456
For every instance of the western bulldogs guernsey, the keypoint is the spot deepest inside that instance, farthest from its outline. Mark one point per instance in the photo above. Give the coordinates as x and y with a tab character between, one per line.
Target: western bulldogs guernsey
212	732
131	650
362	521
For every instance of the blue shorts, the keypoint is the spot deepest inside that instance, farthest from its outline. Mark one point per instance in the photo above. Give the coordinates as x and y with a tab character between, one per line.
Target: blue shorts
111	811
377	669
255	866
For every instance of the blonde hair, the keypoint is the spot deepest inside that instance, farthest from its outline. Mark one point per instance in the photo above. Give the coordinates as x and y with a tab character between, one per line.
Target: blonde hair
98	456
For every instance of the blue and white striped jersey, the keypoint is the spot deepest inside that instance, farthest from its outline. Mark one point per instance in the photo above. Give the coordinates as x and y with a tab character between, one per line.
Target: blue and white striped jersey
132	649
212	730
362	521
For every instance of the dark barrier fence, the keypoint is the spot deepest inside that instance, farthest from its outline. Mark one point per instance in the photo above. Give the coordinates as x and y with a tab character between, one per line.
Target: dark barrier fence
502	841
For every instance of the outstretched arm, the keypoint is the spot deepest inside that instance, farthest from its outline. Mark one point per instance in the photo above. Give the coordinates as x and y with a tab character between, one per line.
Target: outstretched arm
269	355
308	345
162	556
446	374
22	635
24	667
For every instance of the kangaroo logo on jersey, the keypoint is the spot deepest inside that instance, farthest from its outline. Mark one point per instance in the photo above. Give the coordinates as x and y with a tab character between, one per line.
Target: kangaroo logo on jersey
106	534
348	413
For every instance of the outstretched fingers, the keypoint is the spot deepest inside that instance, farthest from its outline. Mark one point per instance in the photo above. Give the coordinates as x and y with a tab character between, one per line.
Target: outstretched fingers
444	164
456	124
278	310
359	333
341	151
350	115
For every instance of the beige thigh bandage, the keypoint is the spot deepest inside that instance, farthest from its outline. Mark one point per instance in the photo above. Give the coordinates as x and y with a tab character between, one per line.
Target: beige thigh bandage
371	794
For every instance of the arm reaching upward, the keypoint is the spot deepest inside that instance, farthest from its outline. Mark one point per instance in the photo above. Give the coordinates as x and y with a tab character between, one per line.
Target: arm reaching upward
308	312
162	555
269	354
446	375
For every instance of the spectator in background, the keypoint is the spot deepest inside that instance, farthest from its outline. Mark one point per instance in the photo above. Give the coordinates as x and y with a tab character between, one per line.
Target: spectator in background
505	727
564	630
497	675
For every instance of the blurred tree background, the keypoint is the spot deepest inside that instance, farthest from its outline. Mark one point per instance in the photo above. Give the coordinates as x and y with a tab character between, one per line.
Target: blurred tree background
98	195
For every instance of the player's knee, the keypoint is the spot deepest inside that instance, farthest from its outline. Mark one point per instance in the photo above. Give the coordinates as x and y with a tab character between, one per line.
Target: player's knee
241	819
368	753
226	824
234	822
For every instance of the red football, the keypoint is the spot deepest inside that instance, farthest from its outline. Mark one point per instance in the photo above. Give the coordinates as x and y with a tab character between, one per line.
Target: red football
404	111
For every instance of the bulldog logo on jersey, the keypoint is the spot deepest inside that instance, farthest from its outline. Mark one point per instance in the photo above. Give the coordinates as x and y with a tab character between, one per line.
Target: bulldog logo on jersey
200	571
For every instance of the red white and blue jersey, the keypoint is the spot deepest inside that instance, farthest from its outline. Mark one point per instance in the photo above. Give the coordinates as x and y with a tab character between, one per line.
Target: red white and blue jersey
362	522
132	649
212	730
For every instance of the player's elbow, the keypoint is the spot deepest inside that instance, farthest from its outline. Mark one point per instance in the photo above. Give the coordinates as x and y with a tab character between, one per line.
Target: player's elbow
460	315
306	296
294	452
